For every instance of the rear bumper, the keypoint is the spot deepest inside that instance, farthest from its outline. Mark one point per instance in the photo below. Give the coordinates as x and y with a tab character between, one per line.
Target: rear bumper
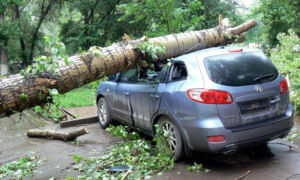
196	132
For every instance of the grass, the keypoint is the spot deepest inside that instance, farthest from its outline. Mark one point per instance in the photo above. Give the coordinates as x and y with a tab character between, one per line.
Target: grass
79	97
83	96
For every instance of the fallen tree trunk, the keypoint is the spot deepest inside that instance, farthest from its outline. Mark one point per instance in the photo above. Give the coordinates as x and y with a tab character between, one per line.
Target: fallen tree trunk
116	58
66	136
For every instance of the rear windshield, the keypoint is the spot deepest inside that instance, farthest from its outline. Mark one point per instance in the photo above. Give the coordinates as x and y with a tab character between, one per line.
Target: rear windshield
240	69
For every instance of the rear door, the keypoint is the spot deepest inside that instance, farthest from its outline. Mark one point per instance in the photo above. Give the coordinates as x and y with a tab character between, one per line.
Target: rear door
253	81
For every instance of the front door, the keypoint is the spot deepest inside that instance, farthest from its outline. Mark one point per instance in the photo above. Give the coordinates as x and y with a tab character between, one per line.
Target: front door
121	97
145	96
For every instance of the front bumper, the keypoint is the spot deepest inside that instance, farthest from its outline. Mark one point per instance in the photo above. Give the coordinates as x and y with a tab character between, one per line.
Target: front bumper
196	132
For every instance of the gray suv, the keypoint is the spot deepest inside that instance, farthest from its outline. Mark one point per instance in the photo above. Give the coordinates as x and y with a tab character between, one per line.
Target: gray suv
213	100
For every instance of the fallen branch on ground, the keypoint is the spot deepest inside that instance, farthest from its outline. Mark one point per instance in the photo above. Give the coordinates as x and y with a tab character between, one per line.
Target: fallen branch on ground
74	122
63	117
66	136
126	175
66	112
244	175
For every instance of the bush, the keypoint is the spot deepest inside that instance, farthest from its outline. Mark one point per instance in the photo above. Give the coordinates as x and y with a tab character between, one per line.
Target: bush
286	56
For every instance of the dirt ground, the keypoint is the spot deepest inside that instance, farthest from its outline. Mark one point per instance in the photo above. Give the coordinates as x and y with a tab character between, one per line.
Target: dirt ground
277	161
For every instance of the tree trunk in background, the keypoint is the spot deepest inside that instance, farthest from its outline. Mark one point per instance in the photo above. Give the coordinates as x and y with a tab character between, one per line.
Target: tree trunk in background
116	58
21	39
4	68
43	15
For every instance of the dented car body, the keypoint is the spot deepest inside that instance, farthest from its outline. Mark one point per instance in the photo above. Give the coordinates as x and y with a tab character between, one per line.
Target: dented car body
216	100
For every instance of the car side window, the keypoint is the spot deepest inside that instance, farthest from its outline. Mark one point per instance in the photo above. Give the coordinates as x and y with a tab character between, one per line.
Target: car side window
178	72
148	76
130	76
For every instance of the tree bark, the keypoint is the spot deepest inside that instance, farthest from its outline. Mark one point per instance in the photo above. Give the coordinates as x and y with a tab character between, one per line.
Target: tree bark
116	58
21	38
4	68
66	136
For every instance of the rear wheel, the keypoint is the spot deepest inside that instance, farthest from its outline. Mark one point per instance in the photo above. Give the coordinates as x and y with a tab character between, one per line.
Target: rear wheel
174	137
104	113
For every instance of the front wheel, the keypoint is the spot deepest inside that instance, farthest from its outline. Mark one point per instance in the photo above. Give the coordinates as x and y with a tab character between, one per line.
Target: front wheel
174	137
103	113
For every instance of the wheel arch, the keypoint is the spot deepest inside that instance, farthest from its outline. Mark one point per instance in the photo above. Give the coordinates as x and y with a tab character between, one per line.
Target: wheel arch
98	97
156	118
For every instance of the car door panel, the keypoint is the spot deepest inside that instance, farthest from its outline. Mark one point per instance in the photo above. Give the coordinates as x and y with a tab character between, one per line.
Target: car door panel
145	100
122	109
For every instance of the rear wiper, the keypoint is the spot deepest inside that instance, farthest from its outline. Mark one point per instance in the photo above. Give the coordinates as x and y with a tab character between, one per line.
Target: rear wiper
260	78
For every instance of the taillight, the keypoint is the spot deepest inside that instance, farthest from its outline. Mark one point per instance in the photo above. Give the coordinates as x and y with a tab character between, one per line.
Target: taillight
216	138
283	86
209	96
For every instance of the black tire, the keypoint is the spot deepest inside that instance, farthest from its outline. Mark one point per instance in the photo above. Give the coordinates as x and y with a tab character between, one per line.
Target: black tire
178	148
104	115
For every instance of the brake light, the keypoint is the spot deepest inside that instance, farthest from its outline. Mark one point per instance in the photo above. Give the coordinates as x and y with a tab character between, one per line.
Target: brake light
216	138
235	50
209	96
283	86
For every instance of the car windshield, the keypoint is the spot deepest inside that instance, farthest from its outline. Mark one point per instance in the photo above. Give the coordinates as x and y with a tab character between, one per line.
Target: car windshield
240	69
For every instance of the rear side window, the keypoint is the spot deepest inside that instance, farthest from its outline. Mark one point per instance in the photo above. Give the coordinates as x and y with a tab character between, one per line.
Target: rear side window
240	69
178	72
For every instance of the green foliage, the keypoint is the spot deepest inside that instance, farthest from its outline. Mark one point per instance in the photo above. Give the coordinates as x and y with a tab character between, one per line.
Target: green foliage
93	51
286	57
21	168
197	167
43	64
50	110
8	26
49	64
160	17
24	22
278	16
24	96
139	154
96	26
293	137
151	50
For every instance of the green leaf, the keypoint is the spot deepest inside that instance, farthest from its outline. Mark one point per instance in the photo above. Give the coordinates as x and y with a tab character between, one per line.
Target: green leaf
54	92
38	59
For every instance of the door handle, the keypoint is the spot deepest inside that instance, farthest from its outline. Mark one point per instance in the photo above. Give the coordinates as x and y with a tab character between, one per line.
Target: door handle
126	93
154	95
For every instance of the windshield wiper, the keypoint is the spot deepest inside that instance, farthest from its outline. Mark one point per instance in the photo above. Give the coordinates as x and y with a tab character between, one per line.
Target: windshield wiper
260	78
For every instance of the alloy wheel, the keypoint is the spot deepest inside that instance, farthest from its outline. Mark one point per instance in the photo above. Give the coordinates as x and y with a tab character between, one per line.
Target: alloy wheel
172	139
102	113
